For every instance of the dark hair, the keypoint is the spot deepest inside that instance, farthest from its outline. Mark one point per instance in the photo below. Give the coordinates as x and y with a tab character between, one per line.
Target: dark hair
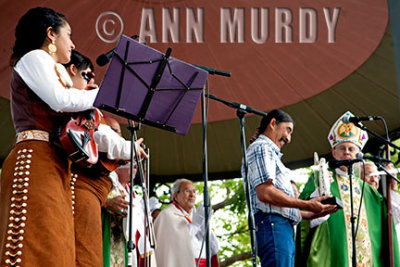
80	61
278	115
30	32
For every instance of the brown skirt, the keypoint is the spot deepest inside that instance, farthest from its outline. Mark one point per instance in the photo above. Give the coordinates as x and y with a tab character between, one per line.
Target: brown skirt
90	195
36	220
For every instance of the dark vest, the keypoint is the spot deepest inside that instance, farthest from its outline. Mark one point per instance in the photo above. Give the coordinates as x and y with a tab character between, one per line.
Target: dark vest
30	112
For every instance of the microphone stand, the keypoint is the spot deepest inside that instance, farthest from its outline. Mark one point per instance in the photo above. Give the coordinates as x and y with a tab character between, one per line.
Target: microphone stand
241	110
380	138
389	204
388	193
206	194
381	167
352	218
250	217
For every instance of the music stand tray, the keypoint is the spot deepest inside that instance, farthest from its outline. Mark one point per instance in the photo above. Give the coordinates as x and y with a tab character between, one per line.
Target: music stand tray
151	87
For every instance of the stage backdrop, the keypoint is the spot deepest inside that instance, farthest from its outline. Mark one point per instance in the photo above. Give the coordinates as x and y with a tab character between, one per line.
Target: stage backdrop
315	59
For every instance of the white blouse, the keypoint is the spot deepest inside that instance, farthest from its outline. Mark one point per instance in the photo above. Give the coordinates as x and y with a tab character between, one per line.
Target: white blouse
110	142
37	69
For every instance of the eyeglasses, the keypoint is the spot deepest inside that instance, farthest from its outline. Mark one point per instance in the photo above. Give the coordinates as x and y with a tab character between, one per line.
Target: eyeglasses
88	76
186	190
343	148
372	176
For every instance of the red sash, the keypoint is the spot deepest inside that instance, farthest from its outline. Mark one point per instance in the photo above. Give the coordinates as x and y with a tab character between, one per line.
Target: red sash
183	212
214	262
203	262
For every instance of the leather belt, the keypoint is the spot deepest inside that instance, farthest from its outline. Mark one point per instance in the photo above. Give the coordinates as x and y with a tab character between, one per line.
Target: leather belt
38	135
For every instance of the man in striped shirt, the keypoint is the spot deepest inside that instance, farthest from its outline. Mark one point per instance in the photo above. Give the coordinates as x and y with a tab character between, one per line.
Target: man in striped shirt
273	199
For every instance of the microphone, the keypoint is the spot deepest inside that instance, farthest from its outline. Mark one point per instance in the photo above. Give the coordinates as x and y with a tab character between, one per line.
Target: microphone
347	119
333	164
214	71
238	106
374	158
248	109
103	59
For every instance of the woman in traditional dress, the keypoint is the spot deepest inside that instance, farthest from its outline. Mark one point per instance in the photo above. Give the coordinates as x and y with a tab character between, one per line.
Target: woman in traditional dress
36	225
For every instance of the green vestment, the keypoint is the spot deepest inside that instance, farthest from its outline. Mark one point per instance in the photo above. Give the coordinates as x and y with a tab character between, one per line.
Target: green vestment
328	244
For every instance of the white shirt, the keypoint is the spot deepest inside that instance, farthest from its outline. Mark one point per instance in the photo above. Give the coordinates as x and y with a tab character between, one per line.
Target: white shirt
174	246
110	142
37	69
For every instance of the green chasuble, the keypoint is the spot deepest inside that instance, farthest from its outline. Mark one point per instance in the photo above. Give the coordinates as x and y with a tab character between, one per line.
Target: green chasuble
329	244
114	245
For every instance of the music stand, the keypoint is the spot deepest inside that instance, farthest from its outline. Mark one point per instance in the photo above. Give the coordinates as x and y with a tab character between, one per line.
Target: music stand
150	87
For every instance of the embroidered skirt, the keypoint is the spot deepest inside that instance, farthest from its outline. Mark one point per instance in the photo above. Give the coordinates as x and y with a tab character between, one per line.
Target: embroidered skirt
36	220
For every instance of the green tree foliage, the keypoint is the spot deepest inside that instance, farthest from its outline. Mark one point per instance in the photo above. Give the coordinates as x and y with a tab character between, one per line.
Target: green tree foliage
230	220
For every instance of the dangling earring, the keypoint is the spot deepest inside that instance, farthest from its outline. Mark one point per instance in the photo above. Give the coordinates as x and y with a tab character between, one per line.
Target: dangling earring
52	48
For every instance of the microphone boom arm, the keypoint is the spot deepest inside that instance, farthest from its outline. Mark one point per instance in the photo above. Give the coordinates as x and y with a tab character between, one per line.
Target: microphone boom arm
380	138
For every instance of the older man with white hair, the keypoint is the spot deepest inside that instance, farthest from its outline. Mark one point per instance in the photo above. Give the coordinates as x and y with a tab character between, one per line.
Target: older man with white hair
179	230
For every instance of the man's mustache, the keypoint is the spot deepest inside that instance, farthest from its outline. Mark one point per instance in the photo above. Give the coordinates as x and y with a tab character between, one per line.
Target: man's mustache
284	139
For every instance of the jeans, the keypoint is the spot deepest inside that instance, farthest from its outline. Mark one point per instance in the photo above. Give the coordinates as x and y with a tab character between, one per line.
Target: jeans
275	240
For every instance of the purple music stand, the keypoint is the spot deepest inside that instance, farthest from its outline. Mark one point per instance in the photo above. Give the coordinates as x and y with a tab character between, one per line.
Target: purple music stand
150	87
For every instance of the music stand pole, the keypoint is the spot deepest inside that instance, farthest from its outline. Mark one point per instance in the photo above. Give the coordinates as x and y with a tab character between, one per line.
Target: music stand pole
250	217
206	195
131	245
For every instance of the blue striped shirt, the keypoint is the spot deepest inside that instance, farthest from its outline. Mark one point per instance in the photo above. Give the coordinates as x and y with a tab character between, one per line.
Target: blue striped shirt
264	163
